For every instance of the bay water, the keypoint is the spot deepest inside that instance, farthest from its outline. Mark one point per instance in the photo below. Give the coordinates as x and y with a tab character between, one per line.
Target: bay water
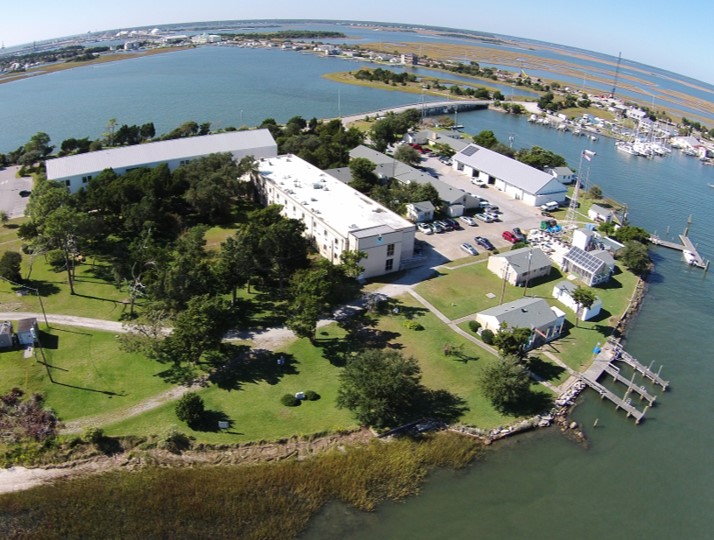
652	481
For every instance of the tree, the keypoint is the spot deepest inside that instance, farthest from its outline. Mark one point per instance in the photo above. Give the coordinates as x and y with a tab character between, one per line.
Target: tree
10	266
407	154
595	192
506	383
513	341
583	298
4	218
379	387
197	331
65	229
636	258
190	408
212	186
486	138
363	177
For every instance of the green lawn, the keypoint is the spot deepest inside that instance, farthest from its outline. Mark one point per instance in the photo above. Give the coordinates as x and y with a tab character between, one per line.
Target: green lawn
458	375
461	292
254	407
92	376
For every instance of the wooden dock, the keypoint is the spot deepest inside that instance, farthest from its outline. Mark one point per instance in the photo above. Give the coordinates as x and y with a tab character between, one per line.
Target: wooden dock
685	245
603	364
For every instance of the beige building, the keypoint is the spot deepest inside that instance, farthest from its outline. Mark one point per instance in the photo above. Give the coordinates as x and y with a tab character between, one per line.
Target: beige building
337	217
520	265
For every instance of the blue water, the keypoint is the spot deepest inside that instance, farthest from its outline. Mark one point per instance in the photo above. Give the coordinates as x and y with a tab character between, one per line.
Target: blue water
653	481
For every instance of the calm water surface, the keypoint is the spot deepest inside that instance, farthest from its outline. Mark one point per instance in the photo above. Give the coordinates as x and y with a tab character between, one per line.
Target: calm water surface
652	481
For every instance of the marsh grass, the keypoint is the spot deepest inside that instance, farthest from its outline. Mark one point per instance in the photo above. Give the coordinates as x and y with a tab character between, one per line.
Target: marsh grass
270	500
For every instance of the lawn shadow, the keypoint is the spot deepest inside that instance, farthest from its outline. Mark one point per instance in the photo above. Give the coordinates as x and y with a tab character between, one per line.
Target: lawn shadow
602	316
244	365
48	341
45	288
85	389
530	404
209	422
101	272
544	369
441	405
612	283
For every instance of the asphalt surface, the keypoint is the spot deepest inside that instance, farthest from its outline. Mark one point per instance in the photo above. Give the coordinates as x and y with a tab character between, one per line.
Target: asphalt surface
10	199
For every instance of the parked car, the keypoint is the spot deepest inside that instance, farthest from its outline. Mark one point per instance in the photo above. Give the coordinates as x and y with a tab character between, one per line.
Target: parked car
437	226
425	228
494	217
550	206
488	218
444	225
25	193
468	220
468	248
485	243
518	233
454	224
508	235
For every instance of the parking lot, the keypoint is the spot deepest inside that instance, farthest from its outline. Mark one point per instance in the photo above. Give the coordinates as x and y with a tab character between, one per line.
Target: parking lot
513	214
10	187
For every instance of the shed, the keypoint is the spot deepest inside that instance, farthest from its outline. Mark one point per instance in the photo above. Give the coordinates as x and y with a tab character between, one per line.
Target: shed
563	290
27	331
600	213
6	333
420	211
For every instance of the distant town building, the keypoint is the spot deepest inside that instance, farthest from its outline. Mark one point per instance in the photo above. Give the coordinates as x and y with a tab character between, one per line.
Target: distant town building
337	217
410	59
76	171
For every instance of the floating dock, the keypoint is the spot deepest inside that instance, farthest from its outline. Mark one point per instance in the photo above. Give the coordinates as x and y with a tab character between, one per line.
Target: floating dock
686	245
604	364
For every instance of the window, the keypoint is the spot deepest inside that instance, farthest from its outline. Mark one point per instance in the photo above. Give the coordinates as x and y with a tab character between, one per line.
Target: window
389	265
390	250
66	183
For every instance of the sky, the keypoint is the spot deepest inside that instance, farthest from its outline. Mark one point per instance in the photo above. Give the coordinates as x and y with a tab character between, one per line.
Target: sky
661	33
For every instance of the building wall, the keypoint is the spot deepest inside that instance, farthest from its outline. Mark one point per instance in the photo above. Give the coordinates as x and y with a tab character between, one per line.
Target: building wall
76	182
395	245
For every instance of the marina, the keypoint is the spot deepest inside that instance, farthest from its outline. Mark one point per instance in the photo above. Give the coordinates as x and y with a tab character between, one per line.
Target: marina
686	246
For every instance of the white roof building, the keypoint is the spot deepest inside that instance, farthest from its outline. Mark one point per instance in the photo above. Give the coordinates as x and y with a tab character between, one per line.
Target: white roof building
336	216
563	290
520	181
75	171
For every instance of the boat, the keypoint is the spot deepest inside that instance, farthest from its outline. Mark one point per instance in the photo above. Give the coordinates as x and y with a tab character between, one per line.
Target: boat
711	185
626	147
689	257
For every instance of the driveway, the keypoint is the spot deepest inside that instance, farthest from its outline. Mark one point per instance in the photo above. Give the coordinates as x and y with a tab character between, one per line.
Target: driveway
513	214
10	187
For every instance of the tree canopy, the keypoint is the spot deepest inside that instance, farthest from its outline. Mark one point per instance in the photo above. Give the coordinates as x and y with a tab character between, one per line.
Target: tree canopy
506	384
379	387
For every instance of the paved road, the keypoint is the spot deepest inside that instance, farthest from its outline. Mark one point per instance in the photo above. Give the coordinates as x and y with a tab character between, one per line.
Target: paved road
10	187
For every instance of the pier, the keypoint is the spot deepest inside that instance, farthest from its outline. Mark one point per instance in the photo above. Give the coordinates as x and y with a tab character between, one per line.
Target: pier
685	245
604	364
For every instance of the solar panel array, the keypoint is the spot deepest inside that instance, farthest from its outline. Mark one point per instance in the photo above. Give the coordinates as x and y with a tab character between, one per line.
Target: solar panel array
583	259
469	150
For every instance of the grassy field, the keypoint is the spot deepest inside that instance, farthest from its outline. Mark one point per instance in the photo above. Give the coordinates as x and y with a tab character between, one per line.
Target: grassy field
461	292
91	374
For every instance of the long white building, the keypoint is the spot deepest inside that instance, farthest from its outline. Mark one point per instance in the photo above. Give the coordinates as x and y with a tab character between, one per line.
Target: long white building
336	216
520	181
76	171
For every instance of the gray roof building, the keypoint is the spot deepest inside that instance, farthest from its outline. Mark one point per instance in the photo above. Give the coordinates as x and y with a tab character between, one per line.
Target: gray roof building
79	169
545	322
520	265
519	180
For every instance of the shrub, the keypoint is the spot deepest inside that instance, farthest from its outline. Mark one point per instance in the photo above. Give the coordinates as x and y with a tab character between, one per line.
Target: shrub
311	395
413	325
190	408
93	435
175	442
487	336
474	326
289	400
56	260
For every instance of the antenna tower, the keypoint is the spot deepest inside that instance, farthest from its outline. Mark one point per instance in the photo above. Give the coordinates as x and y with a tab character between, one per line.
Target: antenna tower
617	75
